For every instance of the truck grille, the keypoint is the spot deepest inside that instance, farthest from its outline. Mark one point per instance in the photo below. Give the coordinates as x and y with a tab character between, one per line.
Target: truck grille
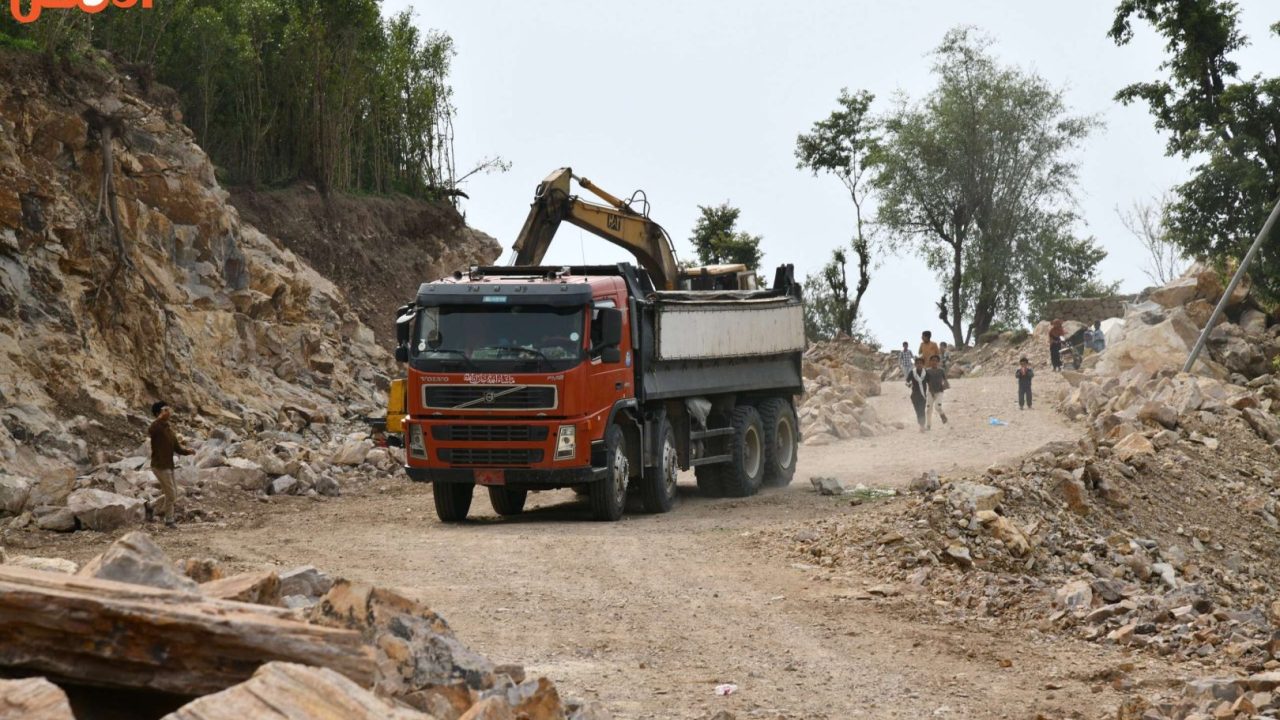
490	397
490	433
489	456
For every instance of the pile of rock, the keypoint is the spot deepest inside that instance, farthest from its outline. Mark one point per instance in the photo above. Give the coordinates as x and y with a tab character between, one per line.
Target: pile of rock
1157	530
1253	696
260	644
121	492
839	377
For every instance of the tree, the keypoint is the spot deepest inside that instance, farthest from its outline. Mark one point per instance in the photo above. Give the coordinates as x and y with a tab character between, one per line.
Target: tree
1230	125
840	145
717	240
975	177
829	311
1145	220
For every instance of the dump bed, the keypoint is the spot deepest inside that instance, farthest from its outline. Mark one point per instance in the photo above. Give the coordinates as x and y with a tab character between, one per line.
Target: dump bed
706	343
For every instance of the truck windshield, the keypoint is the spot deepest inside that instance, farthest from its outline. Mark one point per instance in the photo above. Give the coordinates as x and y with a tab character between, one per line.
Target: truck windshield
506	338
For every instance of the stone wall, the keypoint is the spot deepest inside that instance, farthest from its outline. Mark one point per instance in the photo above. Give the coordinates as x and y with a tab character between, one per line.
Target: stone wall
1088	310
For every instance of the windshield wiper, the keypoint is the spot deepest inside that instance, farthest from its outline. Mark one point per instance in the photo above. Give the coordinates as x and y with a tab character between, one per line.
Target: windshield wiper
453	351
520	348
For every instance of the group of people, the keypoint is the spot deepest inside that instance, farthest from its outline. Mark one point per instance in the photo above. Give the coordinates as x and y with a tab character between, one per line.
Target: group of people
1063	349
926	374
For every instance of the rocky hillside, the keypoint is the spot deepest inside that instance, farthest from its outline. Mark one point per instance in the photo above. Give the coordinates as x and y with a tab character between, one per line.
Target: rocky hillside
127	275
377	249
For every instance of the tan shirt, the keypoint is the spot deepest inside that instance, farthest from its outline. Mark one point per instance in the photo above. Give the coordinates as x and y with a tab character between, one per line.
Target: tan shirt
928	350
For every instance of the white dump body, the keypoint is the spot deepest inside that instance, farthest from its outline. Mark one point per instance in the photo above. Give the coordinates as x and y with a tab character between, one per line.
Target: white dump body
702	330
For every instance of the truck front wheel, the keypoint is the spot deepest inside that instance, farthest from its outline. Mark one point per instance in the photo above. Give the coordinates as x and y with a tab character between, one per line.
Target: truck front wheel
744	474
506	501
659	490
453	500
609	494
782	441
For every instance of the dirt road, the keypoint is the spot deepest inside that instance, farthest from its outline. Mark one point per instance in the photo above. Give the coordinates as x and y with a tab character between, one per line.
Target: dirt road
649	614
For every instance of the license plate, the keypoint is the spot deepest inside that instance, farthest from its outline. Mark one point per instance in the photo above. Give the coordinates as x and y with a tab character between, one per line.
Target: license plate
491	477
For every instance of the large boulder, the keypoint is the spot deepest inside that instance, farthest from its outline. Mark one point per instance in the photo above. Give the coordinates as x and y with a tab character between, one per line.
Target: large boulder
105	511
352	452
1266	425
136	559
1253	322
14	492
33	699
1177	293
1162	345
243	474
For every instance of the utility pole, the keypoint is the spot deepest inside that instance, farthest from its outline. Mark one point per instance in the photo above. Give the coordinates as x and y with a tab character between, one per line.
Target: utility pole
1235	281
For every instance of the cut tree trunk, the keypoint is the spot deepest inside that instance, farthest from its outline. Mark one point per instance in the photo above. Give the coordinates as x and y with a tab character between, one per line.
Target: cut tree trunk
99	632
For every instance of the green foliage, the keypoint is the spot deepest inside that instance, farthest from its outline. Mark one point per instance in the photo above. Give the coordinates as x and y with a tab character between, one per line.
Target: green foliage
282	90
1213	116
16	43
840	145
977	179
717	240
829	311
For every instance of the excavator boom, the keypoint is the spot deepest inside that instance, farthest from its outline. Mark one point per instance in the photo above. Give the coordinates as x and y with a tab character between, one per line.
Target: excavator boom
616	222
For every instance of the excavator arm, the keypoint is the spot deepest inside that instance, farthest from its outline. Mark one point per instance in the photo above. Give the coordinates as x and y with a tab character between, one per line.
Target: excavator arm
616	222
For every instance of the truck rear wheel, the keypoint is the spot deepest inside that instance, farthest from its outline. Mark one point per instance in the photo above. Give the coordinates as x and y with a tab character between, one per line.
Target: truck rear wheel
781	441
453	500
506	501
658	491
744	474
609	494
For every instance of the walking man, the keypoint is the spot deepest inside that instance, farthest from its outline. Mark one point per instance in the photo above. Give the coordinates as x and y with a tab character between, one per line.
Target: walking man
928	348
905	359
919	390
164	444
1024	375
936	379
946	358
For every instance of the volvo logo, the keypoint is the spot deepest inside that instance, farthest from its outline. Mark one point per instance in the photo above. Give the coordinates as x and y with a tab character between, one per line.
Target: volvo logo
488	398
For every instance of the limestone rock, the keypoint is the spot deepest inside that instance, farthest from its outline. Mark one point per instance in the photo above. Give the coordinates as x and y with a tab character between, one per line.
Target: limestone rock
1266	425
259	588
33	699
352	452
415	648
56	519
246	478
285	691
136	559
284	485
1177	293
14	492
1253	322
306	581
1132	446
1075	595
975	497
1158	414
828	486
103	511
53	565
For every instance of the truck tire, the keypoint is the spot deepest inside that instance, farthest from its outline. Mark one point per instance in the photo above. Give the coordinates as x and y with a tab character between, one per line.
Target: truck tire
506	501
453	500
609	494
744	474
709	480
658	489
781	441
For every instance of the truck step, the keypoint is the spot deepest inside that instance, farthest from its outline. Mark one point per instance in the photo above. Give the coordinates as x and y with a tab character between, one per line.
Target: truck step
710	460
715	432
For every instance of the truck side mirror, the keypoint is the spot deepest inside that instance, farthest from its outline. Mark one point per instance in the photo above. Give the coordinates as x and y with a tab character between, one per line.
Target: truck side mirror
404	325
402	354
610	328
611	355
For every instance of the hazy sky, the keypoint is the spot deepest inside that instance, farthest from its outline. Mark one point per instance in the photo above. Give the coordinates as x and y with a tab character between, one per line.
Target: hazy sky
700	102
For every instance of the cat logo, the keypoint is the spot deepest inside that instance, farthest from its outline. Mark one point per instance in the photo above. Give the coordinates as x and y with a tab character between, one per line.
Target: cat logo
89	6
614	222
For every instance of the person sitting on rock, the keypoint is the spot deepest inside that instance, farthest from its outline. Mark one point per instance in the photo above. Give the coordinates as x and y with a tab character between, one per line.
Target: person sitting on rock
1099	337
164	443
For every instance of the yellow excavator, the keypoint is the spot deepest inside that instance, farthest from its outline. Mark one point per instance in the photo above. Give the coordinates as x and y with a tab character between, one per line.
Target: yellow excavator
621	223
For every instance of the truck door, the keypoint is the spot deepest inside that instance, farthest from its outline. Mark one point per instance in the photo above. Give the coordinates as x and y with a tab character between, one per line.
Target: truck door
613	380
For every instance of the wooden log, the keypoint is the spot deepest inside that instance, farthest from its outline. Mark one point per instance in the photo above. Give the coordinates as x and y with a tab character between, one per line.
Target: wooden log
99	632
284	691
33	699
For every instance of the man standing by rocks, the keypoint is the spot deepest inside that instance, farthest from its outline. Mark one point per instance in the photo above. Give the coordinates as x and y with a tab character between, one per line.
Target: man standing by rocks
164	444
905	360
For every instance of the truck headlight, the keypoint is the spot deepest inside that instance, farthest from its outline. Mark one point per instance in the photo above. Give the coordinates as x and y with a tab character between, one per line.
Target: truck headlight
567	442
417	447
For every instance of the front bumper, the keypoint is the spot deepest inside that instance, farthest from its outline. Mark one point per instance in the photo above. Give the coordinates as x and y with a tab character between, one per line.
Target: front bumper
535	478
